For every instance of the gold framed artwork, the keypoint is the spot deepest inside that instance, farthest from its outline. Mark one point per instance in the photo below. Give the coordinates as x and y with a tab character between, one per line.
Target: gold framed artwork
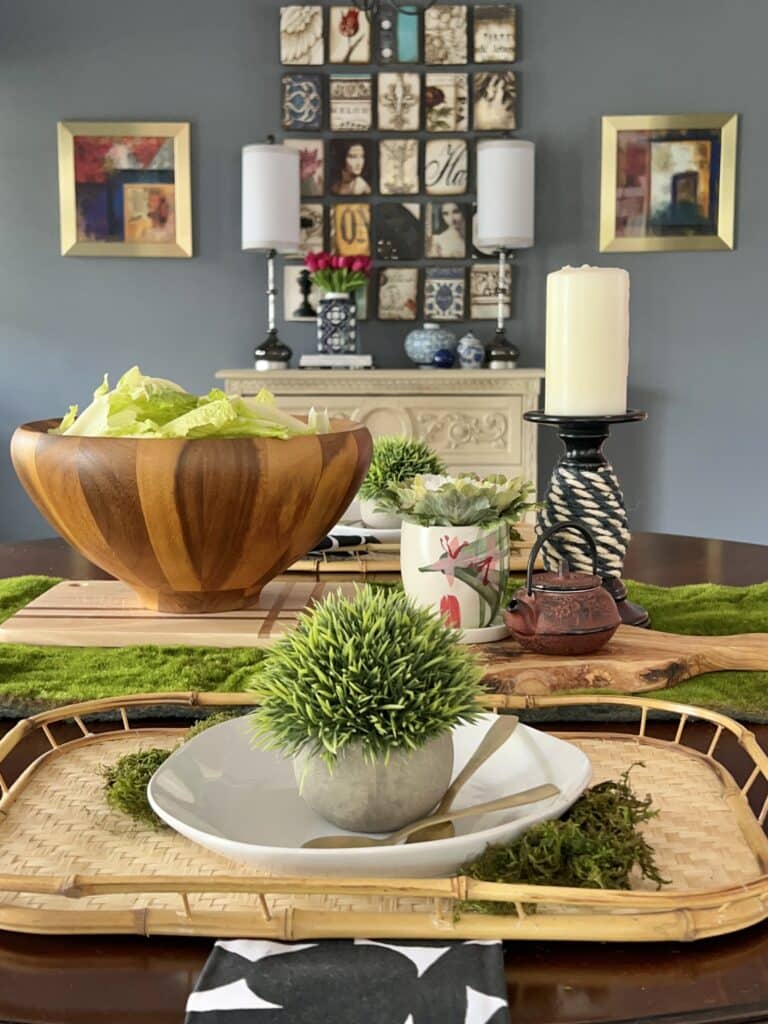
124	188
668	183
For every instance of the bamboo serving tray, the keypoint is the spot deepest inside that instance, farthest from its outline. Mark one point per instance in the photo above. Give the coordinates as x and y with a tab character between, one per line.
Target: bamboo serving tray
71	865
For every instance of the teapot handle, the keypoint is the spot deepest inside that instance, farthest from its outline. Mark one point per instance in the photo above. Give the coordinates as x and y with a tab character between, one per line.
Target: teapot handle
567	524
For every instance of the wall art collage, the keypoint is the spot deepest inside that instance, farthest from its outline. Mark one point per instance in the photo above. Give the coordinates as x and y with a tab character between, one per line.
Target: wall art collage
386	151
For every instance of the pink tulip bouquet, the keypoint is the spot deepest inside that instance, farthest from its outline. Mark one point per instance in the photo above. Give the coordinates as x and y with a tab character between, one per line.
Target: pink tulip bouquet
337	273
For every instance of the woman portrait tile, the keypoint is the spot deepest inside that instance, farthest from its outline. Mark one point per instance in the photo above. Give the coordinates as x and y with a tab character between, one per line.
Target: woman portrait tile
350	166
445	231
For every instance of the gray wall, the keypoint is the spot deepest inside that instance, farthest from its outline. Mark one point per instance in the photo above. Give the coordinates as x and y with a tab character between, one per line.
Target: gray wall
699	355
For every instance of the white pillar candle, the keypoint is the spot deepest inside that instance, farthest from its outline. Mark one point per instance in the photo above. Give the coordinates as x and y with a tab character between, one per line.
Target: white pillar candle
587	341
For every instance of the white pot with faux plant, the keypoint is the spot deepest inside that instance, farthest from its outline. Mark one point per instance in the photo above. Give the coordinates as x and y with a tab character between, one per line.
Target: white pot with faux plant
394	460
364	695
454	546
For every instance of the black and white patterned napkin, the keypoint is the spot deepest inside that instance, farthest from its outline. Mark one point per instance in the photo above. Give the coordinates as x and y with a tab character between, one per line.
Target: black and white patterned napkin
345	536
361	981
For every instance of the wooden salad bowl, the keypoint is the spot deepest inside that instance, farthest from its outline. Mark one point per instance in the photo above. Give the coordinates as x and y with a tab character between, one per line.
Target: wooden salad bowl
192	525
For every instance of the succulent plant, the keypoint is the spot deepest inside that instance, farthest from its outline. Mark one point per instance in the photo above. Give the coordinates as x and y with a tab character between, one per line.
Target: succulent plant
373	670
467	500
396	459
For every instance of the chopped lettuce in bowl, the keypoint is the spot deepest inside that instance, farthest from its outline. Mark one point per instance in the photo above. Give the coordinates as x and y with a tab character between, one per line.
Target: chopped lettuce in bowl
150	407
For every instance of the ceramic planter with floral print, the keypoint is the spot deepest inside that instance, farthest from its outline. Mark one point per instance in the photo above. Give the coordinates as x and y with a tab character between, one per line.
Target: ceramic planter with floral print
454	546
459	571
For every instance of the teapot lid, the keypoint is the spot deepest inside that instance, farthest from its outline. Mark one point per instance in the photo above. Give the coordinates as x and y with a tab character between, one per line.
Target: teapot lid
564	579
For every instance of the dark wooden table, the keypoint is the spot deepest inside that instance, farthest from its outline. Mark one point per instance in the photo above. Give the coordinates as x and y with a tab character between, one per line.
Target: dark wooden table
123	980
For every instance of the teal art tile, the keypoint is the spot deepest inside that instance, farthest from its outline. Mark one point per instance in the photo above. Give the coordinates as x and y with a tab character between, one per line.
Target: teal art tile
408	37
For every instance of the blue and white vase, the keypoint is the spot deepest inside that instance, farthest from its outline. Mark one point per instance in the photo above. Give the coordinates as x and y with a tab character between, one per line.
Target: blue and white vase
337	323
423	342
471	352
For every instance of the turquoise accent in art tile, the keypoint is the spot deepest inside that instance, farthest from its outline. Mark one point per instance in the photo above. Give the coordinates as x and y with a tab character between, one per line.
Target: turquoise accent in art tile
408	26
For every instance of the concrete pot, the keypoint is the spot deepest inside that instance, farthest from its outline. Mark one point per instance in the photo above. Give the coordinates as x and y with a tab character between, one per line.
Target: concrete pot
364	796
378	520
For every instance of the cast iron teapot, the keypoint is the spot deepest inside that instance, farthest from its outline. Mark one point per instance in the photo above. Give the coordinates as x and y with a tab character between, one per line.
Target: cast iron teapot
563	612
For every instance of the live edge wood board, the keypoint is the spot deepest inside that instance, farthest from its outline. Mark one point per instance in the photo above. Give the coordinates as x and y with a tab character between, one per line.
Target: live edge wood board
634	661
106	613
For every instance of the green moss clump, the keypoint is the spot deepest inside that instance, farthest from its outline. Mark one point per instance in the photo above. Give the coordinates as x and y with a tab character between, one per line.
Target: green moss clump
126	784
595	845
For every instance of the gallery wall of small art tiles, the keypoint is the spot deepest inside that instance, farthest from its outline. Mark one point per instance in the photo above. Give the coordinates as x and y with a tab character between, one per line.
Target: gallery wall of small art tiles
384	109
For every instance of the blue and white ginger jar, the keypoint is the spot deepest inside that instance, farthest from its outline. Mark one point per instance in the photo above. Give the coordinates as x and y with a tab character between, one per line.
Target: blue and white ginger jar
422	343
471	352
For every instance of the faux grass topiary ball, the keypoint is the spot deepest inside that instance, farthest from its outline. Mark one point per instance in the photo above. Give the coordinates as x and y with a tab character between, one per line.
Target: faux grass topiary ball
375	670
396	459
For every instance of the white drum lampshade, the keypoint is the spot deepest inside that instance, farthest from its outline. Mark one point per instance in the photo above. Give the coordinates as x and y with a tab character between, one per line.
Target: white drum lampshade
270	198
505	190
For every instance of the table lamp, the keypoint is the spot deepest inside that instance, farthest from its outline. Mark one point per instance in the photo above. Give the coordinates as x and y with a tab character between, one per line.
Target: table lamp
270	225
505	190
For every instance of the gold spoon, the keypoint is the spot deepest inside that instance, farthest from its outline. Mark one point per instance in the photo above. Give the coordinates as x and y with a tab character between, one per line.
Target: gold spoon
494	738
528	796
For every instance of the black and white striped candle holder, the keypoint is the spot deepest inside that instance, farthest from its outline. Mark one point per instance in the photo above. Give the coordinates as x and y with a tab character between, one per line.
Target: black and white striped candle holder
584	486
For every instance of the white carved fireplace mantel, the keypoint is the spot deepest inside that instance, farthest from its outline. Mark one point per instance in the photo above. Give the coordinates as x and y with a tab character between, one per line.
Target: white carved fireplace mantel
472	418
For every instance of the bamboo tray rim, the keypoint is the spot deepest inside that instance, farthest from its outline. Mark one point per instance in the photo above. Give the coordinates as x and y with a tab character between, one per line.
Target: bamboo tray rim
629	915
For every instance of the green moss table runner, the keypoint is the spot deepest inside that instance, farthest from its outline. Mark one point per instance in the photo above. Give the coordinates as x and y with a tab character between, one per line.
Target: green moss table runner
33	678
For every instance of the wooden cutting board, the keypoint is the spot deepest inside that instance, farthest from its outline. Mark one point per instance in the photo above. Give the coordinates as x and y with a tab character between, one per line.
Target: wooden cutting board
634	661
107	613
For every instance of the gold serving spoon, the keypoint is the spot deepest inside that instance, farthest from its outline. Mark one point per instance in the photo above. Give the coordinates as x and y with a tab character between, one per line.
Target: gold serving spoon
528	796
494	738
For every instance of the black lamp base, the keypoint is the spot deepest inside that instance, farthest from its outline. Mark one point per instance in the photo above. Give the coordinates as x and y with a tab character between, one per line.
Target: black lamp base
272	354
501	354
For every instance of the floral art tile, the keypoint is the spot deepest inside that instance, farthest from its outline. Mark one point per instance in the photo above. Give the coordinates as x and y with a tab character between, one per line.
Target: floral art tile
399	101
311	165
444	293
446	102
349	36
